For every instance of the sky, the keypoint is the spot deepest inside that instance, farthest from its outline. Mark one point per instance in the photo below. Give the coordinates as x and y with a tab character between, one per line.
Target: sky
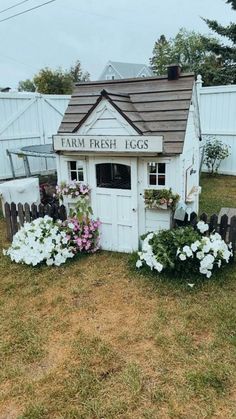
94	31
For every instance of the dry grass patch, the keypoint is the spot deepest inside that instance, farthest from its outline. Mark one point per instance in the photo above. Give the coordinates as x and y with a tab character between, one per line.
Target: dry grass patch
93	339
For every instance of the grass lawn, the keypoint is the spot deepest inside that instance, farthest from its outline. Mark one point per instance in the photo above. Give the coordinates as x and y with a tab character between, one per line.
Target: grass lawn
217	192
93	339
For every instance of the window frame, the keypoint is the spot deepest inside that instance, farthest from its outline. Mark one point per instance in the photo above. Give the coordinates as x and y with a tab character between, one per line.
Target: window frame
81	160
147	174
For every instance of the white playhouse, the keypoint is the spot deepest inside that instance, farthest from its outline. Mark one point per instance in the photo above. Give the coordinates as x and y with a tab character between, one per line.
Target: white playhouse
123	137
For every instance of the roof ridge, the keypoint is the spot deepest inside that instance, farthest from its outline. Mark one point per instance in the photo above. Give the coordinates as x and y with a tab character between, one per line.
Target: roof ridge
132	80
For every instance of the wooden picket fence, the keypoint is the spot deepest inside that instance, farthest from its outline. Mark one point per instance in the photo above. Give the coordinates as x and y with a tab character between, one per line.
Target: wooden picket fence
17	215
223	225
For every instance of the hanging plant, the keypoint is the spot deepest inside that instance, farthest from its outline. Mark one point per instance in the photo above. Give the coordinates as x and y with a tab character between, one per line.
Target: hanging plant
79	192
160	199
73	189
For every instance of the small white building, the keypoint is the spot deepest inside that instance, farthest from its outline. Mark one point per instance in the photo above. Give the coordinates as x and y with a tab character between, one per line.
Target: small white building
115	70
124	136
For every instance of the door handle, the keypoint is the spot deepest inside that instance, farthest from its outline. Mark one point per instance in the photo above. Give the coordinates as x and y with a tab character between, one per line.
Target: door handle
134	209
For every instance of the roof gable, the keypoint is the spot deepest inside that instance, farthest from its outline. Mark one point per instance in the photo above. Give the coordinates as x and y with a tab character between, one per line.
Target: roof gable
152	106
125	70
107	119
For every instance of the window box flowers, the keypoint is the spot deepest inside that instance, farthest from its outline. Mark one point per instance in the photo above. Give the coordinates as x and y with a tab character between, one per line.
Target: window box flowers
160	199
73	189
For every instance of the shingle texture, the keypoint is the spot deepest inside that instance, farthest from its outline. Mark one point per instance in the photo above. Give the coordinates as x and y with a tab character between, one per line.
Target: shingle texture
153	106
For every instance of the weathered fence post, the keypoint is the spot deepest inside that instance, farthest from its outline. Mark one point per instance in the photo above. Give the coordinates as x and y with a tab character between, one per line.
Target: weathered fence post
232	232
14	218
21	214
213	223
27	213
223	226
8	221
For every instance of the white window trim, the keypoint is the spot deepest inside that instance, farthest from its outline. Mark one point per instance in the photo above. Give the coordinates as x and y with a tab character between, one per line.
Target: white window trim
66	162
146	173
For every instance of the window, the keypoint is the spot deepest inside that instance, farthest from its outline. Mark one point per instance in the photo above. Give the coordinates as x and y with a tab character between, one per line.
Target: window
110	77
112	175
156	174
76	170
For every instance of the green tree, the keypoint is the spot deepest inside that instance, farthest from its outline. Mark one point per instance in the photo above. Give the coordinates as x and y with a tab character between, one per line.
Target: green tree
26	86
161	55
226	72
77	74
190	50
58	81
53	81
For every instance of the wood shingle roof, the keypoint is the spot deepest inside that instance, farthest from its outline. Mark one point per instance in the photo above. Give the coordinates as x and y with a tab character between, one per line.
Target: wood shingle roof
153	106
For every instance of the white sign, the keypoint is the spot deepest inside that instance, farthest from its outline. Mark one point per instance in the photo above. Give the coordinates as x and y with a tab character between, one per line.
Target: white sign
108	143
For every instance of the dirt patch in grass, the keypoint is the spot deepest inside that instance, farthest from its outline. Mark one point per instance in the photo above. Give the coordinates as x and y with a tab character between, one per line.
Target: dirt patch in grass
92	339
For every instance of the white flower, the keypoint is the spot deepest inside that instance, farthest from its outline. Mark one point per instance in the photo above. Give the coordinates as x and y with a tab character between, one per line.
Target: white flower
182	256
139	264
200	255
187	250
195	245
158	266
71	226
39	241
202	227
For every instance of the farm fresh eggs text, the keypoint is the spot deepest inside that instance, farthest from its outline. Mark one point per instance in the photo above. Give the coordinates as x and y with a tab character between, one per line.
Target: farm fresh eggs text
99	143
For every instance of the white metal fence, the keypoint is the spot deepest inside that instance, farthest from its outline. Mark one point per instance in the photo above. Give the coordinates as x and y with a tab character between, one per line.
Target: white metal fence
28	119
218	119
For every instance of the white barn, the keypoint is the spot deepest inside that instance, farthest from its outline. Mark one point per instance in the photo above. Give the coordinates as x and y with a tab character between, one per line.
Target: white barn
124	136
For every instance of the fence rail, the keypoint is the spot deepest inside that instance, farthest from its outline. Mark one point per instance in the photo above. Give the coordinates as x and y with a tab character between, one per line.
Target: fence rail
17	215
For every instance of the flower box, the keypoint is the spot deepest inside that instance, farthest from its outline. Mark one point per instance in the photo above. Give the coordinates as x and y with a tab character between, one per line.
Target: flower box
163	199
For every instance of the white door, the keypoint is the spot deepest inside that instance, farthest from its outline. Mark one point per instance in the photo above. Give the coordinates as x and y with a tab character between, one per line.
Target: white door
114	202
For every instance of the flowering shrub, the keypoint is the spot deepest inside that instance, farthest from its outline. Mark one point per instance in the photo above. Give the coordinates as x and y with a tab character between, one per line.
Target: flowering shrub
82	235
160	198
40	241
73	189
185	251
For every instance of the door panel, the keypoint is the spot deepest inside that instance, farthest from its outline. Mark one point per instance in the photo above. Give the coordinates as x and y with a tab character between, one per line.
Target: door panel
117	208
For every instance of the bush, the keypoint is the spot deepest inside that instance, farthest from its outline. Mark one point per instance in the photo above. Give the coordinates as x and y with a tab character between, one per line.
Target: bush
83	235
184	250
44	241
215	152
40	241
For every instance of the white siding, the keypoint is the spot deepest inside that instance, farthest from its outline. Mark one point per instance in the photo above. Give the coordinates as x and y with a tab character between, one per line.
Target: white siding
218	119
28	119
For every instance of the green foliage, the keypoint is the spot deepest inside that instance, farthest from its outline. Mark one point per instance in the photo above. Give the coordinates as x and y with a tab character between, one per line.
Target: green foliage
165	245
162	55
53	81
215	152
160	198
190	50
58	81
26	86
82	209
226	73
